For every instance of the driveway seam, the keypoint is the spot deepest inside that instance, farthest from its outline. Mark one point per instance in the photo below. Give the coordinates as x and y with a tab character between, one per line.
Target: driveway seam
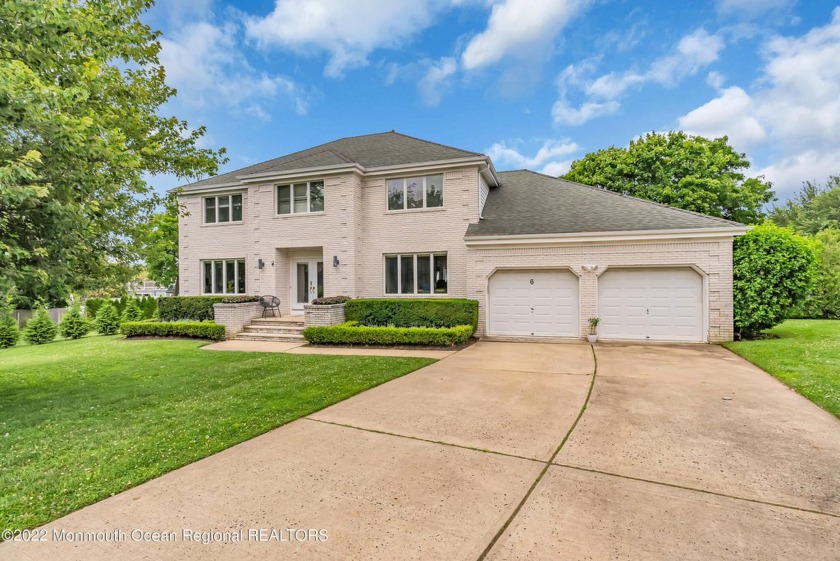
550	462
686	488
417	438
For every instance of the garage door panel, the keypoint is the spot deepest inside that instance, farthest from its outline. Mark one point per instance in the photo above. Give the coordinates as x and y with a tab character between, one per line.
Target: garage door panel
651	304
546	303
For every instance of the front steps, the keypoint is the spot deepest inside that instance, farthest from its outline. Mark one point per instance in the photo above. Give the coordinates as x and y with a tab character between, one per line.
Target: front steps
286	329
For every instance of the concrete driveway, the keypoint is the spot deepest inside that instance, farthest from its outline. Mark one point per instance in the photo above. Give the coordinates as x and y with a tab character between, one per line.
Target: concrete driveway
506	451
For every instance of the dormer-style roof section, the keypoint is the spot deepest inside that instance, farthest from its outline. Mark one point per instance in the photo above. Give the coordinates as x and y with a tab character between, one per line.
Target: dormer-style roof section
531	205
368	152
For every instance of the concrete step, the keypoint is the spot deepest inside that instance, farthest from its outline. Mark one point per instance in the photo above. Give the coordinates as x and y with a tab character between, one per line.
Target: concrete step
271	337
286	320
274	328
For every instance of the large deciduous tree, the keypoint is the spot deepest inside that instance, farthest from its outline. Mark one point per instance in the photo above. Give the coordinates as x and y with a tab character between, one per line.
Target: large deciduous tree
81	90
681	170
158	242
815	208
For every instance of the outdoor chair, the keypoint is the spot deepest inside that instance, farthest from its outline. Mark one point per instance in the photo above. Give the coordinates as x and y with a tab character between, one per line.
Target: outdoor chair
270	303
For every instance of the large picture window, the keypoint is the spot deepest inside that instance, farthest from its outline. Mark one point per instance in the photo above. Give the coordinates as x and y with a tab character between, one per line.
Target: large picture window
415	192
297	198
416	273
223	208
223	276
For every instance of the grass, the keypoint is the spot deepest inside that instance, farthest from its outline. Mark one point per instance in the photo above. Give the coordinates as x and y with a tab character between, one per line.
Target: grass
83	420
805	355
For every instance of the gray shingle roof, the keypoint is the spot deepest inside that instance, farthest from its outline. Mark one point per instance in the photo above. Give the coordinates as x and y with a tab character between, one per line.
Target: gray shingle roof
370	151
531	203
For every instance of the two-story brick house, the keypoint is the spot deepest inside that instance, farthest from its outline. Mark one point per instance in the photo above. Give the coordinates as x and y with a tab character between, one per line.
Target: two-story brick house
388	215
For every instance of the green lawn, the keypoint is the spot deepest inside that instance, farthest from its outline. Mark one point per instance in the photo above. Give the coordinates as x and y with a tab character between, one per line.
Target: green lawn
83	420
805	356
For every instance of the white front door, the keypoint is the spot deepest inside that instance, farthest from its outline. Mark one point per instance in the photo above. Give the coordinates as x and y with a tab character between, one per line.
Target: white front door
651	304
539	303
307	281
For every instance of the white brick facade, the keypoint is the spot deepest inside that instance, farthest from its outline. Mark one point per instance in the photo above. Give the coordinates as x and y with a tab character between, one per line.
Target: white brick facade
357	228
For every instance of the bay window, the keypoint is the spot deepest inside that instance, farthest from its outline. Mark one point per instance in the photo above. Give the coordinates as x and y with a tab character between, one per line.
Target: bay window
223	276
416	273
223	208
296	198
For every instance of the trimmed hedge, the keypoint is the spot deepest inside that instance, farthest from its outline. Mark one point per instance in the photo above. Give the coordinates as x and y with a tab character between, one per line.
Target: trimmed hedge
199	330
195	308
330	300
413	312
147	305
350	333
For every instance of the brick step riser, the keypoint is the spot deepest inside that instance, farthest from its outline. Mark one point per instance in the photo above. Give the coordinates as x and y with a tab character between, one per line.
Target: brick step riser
275	330
270	339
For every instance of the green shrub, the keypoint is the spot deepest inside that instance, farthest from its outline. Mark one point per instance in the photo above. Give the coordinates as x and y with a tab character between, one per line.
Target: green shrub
40	328
774	269
9	333
351	333
73	325
195	308
107	320
823	301
329	300
132	311
148	305
92	306
200	330
413	312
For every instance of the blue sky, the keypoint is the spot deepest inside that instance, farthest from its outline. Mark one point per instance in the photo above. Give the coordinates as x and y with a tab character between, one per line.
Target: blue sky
533	83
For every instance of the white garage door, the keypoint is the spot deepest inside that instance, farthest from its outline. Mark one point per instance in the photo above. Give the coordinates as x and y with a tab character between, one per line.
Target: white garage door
540	303
651	304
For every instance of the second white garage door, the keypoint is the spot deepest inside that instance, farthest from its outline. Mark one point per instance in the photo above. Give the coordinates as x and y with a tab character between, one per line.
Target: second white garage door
539	303
651	304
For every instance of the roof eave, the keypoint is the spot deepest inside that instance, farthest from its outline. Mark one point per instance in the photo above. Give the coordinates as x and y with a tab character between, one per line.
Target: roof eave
617	236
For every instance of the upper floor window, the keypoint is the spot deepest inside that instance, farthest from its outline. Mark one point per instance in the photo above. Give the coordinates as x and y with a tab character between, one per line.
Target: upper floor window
223	208
415	192
300	197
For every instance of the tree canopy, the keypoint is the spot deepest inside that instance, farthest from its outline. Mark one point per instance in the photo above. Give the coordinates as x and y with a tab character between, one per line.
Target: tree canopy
81	95
157	242
680	170
815	208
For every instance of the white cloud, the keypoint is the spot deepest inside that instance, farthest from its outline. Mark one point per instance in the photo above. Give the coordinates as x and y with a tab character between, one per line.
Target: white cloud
715	79
797	104
751	8
565	114
693	52
347	31
206	65
551	158
436	79
521	27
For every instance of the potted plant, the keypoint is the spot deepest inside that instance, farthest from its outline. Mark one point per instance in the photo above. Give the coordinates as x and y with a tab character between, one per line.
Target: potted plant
593	329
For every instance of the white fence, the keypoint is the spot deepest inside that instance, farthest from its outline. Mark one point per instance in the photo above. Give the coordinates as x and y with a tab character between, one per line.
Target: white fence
22	316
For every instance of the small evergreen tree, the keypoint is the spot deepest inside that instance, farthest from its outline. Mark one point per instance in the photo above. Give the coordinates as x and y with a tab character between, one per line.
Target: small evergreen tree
73	325
9	333
107	320
40	328
132	311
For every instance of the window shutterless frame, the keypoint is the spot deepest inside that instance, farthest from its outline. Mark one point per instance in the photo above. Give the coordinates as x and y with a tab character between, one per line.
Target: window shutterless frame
218	209
415	274
299	198
409	193
223	276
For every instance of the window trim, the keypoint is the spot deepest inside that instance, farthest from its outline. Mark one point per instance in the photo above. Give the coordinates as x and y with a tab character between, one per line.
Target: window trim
238	262
291	186
229	197
399	256
425	206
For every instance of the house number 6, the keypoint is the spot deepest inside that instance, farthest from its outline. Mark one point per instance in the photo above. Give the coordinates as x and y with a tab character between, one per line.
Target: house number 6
532	281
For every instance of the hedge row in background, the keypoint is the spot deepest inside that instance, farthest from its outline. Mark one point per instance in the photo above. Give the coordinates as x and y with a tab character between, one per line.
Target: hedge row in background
146	304
200	330
351	333
413	312
195	308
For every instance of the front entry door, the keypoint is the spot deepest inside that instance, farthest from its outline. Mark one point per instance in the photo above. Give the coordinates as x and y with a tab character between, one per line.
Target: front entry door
307	281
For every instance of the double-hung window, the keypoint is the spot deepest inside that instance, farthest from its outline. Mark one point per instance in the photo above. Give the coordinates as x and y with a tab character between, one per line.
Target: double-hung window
416	273
223	208
415	192
296	198
223	276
